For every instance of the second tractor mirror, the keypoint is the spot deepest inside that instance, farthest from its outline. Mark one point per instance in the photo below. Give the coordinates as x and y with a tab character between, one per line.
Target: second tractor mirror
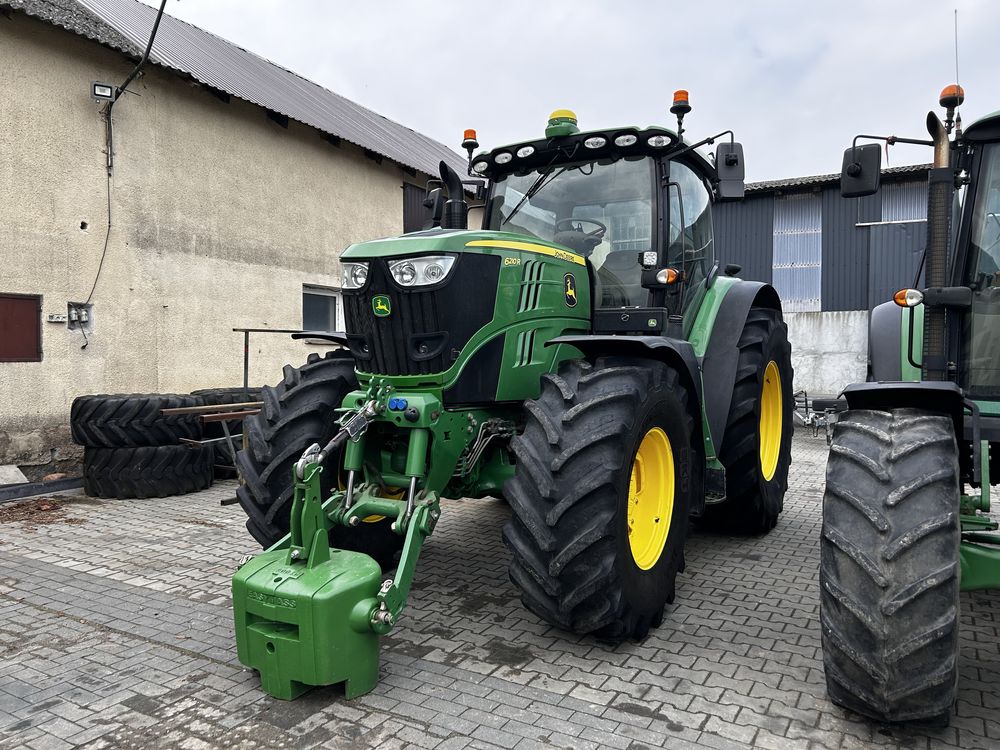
862	171
731	169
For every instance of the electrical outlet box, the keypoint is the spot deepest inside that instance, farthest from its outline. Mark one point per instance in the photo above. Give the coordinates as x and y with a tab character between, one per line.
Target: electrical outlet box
57	318
79	317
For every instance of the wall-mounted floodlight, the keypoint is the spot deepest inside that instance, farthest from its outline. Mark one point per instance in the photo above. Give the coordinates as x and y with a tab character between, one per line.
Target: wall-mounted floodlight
102	92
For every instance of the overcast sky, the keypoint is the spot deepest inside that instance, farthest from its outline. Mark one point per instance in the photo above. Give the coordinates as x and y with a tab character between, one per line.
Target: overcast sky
796	80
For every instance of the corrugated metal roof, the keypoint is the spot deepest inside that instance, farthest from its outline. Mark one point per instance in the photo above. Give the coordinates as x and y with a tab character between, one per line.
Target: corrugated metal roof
125	25
827	179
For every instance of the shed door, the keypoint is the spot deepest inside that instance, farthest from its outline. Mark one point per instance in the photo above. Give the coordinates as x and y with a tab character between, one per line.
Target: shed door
414	212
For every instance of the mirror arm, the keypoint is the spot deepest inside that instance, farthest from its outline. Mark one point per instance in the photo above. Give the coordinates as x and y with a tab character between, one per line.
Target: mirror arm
890	140
705	142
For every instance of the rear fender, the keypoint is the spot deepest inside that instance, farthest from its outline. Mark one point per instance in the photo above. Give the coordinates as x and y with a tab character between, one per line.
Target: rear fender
722	353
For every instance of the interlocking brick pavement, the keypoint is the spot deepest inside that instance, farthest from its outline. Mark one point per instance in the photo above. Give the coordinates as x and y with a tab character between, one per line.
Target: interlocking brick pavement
115	631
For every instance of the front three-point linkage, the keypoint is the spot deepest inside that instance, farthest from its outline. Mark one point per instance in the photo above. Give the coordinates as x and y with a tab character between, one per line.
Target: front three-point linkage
414	517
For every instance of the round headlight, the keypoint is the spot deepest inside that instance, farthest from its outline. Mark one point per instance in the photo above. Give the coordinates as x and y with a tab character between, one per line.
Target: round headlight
525	151
596	141
404	273
480	166
626	140
658	141
503	157
359	275
433	273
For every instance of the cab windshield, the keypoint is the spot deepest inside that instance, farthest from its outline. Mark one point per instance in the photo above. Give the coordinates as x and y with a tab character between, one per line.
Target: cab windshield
601	210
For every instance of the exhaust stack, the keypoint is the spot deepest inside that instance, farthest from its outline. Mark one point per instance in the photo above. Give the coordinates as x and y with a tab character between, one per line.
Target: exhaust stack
941	183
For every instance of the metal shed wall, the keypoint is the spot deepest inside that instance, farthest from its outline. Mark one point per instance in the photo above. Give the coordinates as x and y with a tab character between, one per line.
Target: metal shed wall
893	256
845	249
744	234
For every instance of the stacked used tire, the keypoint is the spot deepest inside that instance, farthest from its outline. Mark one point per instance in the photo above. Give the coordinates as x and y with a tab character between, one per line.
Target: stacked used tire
131	450
224	466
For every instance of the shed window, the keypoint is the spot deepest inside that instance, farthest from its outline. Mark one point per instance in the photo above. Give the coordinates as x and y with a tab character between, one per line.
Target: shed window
798	251
320	308
904	202
20	328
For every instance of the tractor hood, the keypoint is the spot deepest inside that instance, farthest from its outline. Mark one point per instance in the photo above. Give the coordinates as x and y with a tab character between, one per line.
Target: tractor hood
436	241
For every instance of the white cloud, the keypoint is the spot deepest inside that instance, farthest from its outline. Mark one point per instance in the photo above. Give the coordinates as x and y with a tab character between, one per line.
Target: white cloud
795	80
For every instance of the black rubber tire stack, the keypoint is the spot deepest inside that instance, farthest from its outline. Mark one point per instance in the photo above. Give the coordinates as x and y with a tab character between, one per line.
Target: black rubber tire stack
568	536
889	565
224	466
131	450
147	471
753	503
300	411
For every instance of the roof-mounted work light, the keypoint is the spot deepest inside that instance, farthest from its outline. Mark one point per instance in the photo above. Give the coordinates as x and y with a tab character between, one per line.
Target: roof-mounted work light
102	92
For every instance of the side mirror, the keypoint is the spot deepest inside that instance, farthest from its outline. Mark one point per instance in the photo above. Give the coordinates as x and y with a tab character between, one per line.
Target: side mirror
434	202
862	171
731	169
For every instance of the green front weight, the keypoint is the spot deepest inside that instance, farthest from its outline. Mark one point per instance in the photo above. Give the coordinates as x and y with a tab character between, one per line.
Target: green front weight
307	614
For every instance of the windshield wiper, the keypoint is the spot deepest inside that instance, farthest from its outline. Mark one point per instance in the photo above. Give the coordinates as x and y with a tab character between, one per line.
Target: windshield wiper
541	181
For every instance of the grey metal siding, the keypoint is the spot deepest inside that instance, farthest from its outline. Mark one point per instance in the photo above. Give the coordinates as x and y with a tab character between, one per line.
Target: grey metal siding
744	233
894	254
845	249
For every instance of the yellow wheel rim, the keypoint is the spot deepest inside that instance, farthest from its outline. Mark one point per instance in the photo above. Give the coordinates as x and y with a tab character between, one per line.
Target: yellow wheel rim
650	498
770	420
393	493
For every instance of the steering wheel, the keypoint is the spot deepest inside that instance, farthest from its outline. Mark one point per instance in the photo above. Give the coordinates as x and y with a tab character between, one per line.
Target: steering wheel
569	225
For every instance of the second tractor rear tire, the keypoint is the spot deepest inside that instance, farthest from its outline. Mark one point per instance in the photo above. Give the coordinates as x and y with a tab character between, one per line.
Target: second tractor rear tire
607	466
757	444
889	565
300	411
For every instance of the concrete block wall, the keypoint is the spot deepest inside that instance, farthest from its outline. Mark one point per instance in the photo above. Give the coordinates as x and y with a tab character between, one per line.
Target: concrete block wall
829	349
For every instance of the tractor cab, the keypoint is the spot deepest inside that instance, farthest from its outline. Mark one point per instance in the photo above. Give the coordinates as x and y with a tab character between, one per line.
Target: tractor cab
635	203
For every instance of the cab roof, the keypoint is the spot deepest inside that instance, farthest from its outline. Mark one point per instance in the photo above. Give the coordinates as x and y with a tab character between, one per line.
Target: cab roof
985	128
563	149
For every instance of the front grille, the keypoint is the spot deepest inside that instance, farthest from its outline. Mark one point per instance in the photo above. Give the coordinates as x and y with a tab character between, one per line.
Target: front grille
426	329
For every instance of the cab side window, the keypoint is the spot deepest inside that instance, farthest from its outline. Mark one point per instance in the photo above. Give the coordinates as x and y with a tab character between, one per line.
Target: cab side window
690	241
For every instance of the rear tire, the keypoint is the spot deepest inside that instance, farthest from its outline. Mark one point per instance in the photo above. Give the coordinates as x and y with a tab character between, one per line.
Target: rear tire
569	537
300	411
889	569
151	471
132	420
756	481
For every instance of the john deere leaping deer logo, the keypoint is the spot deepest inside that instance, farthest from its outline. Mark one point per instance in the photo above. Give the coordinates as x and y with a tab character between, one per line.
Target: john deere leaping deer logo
569	289
381	306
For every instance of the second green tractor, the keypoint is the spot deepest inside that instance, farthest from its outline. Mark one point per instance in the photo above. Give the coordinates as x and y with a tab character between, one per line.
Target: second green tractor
583	355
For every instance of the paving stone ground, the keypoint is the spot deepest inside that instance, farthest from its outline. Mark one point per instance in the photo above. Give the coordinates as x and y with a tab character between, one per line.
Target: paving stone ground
115	631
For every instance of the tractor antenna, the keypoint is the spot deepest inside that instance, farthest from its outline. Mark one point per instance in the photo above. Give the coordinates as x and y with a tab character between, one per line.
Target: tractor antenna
958	82
952	96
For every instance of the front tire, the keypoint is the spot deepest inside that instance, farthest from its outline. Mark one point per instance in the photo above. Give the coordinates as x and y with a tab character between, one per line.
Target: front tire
300	411
889	566
607	466
757	444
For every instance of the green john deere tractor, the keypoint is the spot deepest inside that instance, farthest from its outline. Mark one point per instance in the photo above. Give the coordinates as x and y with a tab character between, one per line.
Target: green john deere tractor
581	355
908	479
